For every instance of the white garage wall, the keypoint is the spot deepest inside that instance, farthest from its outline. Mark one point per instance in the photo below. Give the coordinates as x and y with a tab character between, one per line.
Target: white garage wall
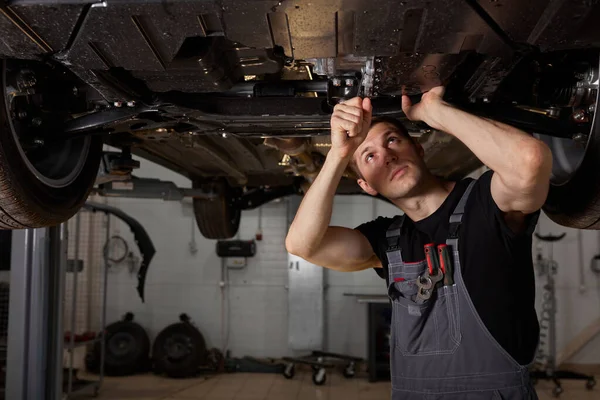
576	308
179	281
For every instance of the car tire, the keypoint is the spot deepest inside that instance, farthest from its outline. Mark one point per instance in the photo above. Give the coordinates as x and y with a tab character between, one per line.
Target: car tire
127	349
29	198
179	350
575	202
217	218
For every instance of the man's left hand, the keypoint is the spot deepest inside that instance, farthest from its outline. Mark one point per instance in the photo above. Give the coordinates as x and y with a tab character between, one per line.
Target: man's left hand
426	109
522	164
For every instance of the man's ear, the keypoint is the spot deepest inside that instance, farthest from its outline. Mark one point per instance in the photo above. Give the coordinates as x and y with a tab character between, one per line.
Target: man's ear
366	187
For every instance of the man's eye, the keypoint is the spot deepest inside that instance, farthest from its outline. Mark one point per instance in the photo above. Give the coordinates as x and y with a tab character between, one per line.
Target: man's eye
392	139
369	157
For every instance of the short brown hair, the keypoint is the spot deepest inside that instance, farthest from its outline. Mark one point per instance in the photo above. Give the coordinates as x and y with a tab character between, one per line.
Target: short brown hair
394	122
379	120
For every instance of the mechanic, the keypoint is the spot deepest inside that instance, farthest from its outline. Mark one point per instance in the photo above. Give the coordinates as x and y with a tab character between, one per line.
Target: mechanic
464	324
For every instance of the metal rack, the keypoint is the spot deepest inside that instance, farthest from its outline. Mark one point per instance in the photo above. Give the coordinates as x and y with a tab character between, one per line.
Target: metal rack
546	367
85	299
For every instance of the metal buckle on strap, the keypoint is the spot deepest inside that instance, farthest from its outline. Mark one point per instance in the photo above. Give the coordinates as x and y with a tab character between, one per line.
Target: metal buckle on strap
393	243
393	234
453	230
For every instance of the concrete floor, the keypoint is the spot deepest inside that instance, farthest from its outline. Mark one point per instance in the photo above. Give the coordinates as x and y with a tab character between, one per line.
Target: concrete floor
275	387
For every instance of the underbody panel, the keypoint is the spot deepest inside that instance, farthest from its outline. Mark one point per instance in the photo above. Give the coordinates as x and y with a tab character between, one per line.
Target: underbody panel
420	41
199	85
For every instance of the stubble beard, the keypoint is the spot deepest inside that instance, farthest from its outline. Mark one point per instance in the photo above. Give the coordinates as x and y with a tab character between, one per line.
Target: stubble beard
407	186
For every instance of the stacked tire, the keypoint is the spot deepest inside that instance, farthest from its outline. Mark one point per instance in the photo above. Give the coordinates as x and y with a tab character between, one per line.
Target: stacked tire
127	348
179	350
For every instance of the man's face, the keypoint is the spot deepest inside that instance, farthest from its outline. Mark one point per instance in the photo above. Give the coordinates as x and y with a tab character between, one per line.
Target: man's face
390	163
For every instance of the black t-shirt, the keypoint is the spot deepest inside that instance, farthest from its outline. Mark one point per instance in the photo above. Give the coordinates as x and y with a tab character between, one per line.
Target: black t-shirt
497	264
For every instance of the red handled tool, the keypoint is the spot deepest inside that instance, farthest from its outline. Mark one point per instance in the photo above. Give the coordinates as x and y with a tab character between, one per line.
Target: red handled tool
431	257
446	264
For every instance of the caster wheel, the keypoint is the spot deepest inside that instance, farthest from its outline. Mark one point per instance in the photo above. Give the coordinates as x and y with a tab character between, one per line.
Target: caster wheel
315	368
319	377
589	385
349	371
557	391
289	371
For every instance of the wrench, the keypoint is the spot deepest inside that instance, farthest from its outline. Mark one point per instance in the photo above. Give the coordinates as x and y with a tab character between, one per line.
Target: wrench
426	284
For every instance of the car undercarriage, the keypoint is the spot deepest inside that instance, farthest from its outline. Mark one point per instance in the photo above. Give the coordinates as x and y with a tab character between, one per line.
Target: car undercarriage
236	95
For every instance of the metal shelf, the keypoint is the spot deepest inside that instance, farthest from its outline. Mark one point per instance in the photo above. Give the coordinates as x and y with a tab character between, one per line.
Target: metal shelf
68	346
85	298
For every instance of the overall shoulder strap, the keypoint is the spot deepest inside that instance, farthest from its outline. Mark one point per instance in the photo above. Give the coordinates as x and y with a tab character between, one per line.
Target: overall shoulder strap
394	231
459	211
393	251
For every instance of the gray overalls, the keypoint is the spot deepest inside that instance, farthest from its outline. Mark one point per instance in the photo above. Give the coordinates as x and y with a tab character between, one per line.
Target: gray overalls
440	347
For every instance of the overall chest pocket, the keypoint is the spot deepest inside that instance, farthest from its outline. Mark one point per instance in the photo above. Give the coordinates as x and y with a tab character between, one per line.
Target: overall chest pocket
406	272
431	328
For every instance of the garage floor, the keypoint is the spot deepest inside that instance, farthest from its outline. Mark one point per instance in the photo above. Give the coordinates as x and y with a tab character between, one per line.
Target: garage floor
276	387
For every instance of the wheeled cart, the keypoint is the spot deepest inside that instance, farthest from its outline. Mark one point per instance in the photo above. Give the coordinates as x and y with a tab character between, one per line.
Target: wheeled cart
320	361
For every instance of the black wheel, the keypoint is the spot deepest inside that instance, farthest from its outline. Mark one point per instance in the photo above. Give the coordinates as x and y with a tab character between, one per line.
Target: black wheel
44	181
556	392
179	350
217	218
589	385
289	371
349	371
320	377
574	197
127	346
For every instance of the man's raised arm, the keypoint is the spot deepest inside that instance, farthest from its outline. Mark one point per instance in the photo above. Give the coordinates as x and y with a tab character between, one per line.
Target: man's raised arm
522	164
310	235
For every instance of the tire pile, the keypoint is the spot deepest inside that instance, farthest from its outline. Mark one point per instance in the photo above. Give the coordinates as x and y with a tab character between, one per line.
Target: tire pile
179	350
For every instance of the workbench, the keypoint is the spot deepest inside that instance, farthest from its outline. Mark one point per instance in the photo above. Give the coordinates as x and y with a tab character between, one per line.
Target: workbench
379	317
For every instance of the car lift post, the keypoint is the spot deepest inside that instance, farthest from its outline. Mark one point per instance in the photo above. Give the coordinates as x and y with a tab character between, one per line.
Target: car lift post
35	334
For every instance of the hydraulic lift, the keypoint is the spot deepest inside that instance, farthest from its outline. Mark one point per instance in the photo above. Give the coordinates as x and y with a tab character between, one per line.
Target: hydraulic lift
35	342
38	261
35	332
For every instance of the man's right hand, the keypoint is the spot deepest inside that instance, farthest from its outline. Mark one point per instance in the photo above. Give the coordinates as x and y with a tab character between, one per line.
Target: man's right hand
310	235
350	124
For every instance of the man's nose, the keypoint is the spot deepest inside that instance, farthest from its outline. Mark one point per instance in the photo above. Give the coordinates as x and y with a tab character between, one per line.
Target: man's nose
390	157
